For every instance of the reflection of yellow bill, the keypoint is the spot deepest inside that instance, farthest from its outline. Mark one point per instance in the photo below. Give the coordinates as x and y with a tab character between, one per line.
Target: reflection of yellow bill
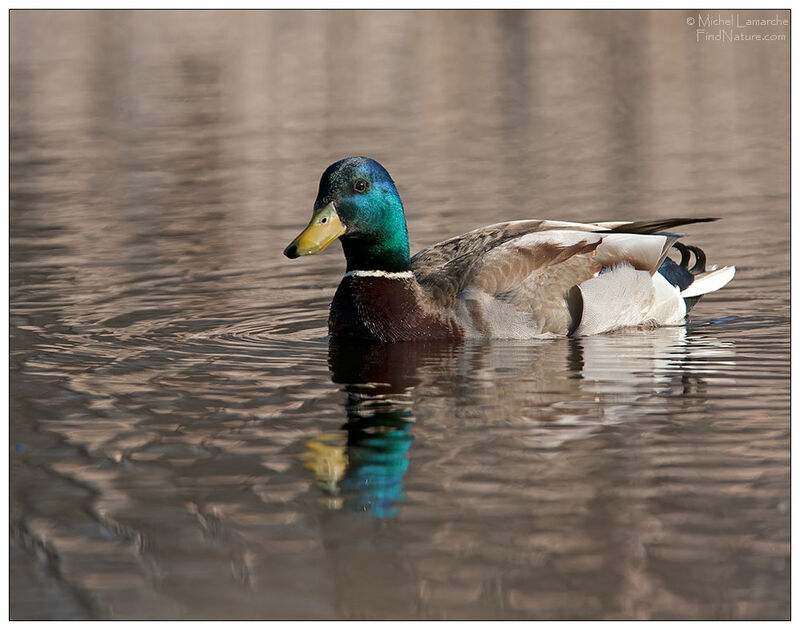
327	458
324	228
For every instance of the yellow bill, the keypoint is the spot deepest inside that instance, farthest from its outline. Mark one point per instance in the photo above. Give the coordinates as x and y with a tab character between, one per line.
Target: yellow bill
324	228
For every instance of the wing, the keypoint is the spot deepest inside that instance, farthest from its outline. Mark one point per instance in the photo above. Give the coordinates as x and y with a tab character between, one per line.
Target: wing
512	278
445	268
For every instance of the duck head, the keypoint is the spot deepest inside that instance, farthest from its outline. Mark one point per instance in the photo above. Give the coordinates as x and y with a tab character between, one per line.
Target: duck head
358	204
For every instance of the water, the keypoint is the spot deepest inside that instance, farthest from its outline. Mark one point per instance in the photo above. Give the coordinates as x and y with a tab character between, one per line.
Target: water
185	441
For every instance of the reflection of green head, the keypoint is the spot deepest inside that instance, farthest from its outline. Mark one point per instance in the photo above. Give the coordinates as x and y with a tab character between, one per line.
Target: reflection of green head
378	444
377	378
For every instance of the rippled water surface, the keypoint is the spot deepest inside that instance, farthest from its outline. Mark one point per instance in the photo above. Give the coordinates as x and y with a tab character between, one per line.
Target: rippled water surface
187	443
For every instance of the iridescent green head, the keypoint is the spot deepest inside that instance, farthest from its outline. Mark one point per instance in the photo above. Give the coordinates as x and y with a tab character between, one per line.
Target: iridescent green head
357	203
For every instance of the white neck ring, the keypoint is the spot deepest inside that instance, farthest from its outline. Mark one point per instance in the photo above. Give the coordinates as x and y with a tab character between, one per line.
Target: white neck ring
363	273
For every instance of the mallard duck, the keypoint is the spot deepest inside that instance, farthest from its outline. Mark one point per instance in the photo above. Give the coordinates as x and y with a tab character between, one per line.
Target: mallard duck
520	279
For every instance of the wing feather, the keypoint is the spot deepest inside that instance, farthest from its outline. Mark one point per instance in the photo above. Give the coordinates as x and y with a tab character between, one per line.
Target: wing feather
533	266
532	277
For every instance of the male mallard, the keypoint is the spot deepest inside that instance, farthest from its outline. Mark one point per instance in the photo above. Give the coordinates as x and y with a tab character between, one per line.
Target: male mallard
519	279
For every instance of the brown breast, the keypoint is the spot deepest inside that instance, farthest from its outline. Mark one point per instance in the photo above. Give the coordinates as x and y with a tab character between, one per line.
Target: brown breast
385	308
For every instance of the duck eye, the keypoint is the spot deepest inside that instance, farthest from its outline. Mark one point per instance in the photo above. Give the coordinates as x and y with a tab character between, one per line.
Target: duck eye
360	185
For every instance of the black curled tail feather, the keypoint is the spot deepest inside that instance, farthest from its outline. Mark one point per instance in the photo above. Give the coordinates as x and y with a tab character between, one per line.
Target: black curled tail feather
686	252
681	274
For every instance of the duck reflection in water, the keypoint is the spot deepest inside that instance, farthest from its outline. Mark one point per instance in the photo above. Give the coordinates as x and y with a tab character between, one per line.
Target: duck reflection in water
362	469
548	393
